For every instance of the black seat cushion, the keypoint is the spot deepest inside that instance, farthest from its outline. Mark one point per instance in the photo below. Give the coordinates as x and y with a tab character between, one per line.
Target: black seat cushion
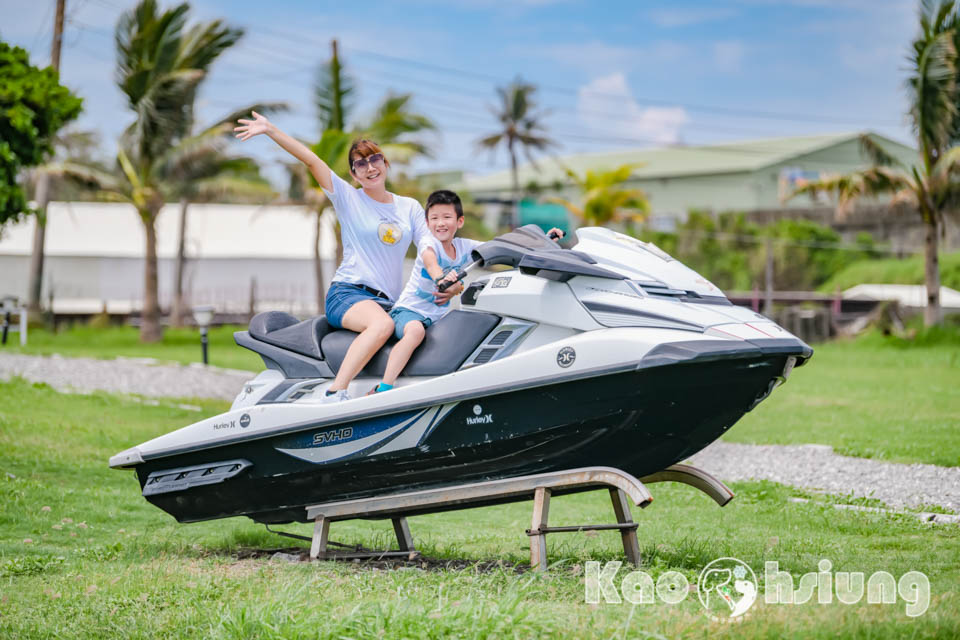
447	344
285	331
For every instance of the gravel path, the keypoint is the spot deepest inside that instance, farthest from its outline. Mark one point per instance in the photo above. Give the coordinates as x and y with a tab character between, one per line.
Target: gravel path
143	376
816	467
811	467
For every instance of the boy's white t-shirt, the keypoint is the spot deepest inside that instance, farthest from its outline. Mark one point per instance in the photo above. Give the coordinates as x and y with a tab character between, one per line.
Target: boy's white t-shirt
418	294
375	236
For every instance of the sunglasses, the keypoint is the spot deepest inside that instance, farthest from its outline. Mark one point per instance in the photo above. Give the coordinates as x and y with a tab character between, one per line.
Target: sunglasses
362	163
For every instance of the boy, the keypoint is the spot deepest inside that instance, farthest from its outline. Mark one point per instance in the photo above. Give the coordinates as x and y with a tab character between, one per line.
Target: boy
418	308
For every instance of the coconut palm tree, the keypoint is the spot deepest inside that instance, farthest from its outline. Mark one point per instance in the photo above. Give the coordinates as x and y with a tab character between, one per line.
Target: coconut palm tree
520	126
605	199
160	65
394	126
930	187
197	168
204	171
213	175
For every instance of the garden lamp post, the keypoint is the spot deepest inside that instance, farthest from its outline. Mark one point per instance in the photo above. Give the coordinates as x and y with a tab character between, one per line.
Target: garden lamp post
204	316
8	304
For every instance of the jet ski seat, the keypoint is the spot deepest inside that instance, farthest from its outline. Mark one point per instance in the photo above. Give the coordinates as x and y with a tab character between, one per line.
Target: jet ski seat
447	345
285	331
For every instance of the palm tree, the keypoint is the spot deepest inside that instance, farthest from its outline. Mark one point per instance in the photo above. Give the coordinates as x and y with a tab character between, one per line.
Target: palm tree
69	145
605	199
521	126
197	168
160	65
211	174
204	171
394	125
930	187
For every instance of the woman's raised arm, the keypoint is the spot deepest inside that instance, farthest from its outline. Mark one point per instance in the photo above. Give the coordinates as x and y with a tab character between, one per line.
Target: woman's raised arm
259	124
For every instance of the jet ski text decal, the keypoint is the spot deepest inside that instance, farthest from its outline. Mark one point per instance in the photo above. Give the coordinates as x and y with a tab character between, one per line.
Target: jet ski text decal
336	435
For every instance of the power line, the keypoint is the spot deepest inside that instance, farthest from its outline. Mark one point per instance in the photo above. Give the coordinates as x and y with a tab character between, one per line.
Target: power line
288	37
568	90
43	25
282	55
441	104
624	140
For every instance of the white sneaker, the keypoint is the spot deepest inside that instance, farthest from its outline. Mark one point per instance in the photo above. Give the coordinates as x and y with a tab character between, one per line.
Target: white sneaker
336	396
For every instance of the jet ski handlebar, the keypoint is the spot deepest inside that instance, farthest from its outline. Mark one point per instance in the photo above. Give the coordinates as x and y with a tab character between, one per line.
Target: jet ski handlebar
479	262
461	274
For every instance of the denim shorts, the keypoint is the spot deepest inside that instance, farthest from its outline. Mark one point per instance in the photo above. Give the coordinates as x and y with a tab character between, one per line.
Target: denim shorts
343	295
402	316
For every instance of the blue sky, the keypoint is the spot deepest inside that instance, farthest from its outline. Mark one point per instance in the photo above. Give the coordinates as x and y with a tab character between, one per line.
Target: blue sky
612	74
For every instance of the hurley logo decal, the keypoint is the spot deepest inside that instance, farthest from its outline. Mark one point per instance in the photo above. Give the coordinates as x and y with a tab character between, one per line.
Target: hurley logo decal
479	417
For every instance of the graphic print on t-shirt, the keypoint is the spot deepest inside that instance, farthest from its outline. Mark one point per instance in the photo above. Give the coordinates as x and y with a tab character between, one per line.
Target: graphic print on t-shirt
375	236
389	233
418	295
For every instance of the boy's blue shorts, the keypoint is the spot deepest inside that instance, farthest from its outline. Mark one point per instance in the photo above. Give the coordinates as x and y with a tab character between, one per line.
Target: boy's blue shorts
402	316
343	295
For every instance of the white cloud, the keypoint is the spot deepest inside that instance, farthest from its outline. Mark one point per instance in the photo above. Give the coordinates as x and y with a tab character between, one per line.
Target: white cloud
596	54
728	55
607	108
685	17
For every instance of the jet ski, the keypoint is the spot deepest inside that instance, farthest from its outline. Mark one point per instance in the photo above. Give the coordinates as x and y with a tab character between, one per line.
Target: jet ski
610	353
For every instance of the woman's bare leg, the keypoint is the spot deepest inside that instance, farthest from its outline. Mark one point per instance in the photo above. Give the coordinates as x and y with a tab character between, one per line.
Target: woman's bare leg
374	326
413	334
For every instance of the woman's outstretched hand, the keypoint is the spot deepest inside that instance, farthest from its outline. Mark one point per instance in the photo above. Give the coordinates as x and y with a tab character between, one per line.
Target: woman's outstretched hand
250	128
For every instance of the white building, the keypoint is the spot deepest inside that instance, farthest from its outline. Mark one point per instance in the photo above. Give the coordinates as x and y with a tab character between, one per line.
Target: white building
95	257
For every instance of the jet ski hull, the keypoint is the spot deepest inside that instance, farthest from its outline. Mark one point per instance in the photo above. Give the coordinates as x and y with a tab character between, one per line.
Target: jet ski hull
638	420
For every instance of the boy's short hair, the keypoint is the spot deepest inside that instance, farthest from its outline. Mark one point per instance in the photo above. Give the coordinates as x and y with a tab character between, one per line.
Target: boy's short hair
444	196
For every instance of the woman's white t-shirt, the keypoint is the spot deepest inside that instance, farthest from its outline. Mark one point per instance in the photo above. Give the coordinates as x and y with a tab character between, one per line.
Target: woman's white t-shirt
375	236
418	294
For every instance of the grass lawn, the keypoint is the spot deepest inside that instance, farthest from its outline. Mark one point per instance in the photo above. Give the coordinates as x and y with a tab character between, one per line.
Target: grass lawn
83	555
178	345
873	397
894	271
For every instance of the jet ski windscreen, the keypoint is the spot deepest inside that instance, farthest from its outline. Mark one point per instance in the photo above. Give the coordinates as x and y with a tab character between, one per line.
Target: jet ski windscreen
529	249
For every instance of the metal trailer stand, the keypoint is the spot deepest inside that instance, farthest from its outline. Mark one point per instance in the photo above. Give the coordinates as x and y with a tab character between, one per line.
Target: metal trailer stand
541	487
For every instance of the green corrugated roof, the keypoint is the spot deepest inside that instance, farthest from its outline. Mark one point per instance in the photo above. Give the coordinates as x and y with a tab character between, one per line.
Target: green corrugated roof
729	157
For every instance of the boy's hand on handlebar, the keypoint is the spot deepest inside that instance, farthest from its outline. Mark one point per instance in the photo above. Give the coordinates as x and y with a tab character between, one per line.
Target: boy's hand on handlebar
555	234
250	128
450	276
443	297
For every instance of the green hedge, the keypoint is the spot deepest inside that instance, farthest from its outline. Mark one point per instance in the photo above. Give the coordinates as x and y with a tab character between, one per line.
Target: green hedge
730	251
894	271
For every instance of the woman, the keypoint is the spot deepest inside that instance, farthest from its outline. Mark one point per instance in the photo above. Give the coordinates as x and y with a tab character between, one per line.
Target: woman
376	228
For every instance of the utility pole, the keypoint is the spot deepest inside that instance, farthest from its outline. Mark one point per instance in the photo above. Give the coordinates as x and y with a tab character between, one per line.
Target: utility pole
43	185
